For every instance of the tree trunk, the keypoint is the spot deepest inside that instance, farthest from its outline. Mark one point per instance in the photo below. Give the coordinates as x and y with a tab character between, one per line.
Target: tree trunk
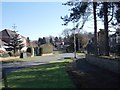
106	28
95	28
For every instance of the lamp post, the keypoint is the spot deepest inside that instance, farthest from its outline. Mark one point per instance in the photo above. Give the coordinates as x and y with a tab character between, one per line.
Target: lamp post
74	40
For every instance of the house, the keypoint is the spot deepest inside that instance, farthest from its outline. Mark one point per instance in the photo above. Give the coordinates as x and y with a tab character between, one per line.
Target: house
7	34
34	46
114	42
2	46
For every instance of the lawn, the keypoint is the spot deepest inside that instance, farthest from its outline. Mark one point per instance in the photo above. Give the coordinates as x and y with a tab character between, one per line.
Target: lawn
80	53
51	75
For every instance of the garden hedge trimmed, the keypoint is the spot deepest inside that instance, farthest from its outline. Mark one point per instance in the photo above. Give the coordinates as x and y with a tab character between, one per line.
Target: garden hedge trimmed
46	49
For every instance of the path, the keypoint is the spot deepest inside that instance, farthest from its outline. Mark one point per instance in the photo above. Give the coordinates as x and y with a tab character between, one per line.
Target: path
91	76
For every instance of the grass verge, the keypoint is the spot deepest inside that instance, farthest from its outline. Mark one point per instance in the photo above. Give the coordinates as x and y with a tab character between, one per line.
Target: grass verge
51	75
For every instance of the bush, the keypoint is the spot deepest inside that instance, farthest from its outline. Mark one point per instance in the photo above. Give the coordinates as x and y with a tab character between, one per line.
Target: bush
4	55
11	53
46	48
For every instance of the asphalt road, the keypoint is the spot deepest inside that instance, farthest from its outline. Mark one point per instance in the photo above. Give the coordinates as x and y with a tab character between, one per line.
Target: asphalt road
9	67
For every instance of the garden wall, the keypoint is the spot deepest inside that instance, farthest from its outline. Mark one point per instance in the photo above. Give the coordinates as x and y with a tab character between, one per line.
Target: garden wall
109	64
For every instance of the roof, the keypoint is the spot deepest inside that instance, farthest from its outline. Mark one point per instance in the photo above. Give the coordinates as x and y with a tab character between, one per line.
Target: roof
34	43
2	43
10	32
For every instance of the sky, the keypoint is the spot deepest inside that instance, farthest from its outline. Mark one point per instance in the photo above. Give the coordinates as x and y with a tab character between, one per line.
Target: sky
37	19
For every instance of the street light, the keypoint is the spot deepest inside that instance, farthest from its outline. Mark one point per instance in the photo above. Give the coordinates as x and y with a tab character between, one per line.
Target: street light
74	40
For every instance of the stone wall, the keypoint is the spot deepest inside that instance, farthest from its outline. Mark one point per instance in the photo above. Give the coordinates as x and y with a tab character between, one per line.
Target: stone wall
109	64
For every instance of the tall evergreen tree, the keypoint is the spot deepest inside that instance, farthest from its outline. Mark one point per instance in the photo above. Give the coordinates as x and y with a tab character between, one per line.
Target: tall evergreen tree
28	41
39	42
15	43
44	40
51	41
106	9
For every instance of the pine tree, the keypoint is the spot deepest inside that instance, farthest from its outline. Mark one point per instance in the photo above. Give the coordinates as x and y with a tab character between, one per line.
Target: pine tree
15	44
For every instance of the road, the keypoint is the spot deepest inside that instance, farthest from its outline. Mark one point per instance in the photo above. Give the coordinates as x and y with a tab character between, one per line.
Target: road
90	75
28	63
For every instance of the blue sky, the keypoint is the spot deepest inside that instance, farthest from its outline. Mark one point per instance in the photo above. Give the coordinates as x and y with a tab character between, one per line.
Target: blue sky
37	19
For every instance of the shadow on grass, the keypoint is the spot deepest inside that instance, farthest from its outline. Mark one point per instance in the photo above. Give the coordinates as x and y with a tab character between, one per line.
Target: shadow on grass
52	75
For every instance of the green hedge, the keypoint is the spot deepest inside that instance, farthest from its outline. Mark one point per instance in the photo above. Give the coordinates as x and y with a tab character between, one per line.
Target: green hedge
46	48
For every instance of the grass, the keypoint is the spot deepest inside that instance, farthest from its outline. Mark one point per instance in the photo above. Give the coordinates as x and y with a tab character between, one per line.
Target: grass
110	57
0	84
80	53
51	75
117	58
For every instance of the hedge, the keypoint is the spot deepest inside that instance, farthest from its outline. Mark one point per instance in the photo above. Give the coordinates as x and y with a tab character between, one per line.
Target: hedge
46	48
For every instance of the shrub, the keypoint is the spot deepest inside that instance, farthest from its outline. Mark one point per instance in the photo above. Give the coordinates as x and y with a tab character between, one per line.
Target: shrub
11	53
4	55
46	48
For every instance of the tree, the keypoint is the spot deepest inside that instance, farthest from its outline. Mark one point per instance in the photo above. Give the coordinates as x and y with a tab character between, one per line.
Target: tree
80	10
66	32
28	41
44	40
15	43
106	28
107	10
39	42
60	39
51	41
95	28
56	39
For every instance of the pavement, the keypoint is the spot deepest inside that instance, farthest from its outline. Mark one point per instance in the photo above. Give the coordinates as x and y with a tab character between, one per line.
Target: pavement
87	75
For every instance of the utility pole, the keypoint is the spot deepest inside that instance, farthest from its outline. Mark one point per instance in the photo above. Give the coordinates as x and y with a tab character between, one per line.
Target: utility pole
74	40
